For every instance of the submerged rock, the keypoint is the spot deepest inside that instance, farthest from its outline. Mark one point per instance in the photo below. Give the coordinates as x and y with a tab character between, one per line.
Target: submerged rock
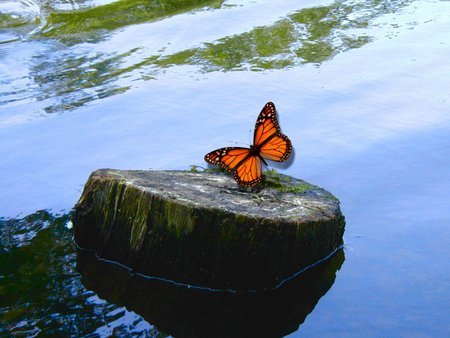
202	229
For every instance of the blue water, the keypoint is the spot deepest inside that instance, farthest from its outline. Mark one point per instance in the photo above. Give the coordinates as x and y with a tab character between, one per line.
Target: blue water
369	120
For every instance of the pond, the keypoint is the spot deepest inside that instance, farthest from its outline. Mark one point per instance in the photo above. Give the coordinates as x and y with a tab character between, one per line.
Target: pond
362	90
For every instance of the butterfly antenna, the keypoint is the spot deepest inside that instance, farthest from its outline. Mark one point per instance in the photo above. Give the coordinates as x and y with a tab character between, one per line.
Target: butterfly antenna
237	142
249	136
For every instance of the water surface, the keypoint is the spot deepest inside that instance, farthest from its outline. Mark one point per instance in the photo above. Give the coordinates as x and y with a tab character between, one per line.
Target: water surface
361	89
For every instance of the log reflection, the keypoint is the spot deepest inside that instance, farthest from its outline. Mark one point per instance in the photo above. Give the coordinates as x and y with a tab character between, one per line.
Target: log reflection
190	312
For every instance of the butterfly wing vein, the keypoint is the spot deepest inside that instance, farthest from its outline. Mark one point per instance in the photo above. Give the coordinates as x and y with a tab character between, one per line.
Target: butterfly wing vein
268	143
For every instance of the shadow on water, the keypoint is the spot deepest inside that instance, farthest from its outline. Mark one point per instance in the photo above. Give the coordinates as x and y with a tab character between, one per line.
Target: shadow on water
189	312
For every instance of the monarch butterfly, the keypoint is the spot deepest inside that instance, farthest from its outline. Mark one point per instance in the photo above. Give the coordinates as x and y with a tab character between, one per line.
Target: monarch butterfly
268	143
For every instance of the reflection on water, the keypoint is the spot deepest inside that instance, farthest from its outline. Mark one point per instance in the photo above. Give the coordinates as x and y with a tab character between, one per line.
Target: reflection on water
40	288
67	69
42	291
368	123
89	24
184	312
311	35
72	64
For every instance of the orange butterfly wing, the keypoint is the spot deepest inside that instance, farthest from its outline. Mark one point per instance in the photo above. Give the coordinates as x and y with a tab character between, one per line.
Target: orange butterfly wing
249	173
268	139
266	125
278	148
227	158
268	142
245	166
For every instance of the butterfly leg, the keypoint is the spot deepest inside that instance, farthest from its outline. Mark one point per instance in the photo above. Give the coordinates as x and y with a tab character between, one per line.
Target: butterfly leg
263	161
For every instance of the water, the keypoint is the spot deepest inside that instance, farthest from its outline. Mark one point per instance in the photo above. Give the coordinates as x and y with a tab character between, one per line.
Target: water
362	90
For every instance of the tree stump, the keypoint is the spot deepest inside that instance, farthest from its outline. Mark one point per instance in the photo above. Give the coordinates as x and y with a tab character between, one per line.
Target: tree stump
201	229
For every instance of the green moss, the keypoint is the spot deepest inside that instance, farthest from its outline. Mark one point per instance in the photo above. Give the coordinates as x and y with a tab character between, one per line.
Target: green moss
139	217
118	204
272	180
332	197
273	174
284	183
179	218
194	168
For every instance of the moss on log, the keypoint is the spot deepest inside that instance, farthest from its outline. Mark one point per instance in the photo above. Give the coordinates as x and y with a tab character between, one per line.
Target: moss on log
201	229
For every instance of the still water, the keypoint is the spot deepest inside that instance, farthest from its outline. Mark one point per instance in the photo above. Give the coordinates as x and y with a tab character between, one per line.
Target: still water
362	89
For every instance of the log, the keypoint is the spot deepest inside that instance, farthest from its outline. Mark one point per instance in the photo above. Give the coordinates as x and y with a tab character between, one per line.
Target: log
201	229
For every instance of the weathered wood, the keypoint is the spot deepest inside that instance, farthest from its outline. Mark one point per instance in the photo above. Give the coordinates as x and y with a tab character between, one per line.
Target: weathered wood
201	229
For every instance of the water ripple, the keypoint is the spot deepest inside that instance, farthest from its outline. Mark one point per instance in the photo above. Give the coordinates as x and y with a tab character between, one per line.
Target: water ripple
86	51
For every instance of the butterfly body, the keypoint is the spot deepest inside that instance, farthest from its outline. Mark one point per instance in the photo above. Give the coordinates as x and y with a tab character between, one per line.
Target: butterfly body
255	151
268	143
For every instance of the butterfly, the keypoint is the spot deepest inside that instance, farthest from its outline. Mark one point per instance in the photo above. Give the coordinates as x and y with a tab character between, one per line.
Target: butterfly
268	143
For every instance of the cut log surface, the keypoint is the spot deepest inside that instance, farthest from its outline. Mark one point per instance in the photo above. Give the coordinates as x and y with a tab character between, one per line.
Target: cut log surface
201	229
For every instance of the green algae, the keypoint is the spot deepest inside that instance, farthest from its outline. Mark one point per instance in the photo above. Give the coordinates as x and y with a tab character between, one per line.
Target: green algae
284	183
